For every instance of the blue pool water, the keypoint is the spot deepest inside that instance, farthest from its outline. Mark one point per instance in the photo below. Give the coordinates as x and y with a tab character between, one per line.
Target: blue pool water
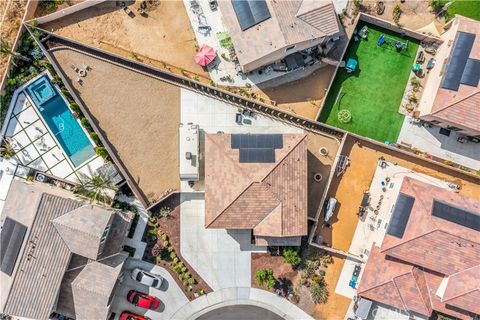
60	120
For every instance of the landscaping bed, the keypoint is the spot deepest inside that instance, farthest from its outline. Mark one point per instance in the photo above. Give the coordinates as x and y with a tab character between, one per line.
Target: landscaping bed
162	236
297	275
373	92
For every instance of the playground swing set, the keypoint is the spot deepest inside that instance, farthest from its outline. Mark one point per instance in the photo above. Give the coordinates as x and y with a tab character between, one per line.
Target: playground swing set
397	44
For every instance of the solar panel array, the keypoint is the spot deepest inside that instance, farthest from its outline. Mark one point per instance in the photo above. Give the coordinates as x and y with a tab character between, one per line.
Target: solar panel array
11	241
458	66
400	216
456	215
250	12
471	74
257	148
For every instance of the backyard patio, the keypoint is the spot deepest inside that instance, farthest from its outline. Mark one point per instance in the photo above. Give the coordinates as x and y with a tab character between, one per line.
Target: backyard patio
373	91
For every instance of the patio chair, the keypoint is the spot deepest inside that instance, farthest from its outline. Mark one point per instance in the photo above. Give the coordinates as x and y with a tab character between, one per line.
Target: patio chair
238	118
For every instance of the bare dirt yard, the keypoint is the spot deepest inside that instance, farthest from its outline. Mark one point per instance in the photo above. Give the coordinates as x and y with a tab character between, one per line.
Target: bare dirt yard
137	114
164	38
303	97
11	15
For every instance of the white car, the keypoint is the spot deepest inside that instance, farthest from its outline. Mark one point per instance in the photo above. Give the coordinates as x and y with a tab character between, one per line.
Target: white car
146	278
331	204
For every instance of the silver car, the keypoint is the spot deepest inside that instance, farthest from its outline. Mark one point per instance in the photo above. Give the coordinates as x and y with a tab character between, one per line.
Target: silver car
146	278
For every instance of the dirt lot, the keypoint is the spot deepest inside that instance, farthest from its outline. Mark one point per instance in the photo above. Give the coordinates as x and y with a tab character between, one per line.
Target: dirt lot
303	96
415	14
164	37
138	115
11	15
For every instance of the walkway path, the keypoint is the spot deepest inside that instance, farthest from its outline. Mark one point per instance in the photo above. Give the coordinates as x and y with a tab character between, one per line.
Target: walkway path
136	240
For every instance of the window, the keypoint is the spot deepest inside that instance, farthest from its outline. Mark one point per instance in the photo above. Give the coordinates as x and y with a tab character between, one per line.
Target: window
105	234
290	48
453	128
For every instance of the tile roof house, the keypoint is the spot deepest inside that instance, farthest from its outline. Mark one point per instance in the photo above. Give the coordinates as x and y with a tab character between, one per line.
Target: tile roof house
70	258
435	263
265	31
251	183
451	97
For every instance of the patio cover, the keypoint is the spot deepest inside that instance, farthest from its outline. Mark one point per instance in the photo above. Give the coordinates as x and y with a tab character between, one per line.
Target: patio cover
205	55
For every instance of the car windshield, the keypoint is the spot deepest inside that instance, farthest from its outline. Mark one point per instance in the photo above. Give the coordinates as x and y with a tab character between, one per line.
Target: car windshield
155	283
135	299
139	276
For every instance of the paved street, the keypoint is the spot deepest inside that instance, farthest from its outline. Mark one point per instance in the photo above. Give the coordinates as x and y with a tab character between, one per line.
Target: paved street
170	295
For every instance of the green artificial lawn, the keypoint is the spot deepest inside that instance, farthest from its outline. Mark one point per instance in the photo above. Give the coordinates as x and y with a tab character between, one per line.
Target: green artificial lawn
470	9
374	91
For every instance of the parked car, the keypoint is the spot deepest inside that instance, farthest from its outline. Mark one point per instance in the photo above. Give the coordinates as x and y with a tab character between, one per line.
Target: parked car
331	204
127	315
147	278
142	300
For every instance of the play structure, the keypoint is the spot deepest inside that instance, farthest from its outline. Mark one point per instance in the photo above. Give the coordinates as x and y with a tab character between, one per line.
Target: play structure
397	44
351	65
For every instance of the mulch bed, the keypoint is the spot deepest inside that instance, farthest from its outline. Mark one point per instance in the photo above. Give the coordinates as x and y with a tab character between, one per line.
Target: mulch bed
171	226
281	271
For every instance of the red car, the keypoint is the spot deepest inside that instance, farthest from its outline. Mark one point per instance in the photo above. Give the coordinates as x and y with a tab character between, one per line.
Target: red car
142	300
126	315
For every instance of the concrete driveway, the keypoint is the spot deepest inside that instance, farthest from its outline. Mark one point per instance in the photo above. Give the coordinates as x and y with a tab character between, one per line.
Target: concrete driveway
222	258
170	295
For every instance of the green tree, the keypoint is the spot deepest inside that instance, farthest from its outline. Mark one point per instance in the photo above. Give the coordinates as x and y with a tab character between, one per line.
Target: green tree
319	291
291	256
265	278
96	187
5	50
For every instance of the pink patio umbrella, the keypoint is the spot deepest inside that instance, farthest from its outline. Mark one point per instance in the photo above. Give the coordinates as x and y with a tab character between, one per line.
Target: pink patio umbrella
205	56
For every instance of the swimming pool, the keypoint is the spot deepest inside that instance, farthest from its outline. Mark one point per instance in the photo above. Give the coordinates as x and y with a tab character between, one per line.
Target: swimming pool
60	120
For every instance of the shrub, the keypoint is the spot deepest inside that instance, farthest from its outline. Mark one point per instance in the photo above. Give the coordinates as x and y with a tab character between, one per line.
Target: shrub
319	292
396	13
36	53
156	250
175	260
177	269
164	237
265	278
86	124
67	95
173	255
95	138
184	269
164	212
191	281
102	152
75	108
189	288
344	116
165	243
291	256
152	233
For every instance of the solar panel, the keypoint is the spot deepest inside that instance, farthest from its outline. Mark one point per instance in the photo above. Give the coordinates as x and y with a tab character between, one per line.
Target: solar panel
11	241
456	215
250	12
239	141
257	155
458	59
400	216
471	74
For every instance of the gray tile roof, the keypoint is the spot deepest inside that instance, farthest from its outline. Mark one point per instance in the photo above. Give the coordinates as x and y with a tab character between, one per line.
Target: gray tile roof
43	263
82	229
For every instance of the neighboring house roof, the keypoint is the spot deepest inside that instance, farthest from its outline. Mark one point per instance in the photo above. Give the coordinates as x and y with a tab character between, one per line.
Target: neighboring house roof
270	198
36	283
82	229
43	263
460	106
93	287
406	272
291	22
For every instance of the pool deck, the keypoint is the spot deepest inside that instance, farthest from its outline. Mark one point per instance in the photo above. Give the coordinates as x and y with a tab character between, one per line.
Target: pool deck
34	143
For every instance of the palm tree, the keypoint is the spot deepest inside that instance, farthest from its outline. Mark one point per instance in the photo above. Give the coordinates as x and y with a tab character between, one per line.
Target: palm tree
5	50
95	187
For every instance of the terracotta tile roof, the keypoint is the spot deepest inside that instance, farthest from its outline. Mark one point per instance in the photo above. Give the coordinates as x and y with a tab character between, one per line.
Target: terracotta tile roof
270	198
431	242
461	106
463	289
407	272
